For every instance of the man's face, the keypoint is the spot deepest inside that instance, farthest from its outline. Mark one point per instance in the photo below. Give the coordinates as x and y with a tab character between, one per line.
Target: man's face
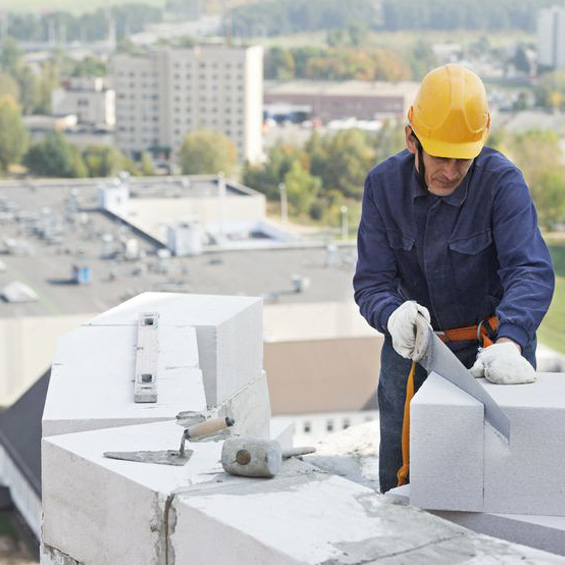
442	175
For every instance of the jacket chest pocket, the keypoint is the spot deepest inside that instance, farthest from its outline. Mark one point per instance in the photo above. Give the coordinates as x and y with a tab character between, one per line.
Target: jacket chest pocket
404	249
398	241
472	260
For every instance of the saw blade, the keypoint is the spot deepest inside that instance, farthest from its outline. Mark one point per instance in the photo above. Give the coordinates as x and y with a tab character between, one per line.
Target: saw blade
170	457
441	360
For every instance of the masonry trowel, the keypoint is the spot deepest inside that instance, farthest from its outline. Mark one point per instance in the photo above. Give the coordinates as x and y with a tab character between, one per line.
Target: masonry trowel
174	457
435	356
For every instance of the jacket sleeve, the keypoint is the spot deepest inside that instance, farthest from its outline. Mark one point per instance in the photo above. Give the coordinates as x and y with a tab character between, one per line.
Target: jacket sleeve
376	272
526	272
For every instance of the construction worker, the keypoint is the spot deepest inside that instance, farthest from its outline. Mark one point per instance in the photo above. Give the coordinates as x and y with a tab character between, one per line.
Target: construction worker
449	237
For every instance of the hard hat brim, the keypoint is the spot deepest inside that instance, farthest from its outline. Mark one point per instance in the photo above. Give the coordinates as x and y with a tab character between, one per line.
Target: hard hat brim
437	148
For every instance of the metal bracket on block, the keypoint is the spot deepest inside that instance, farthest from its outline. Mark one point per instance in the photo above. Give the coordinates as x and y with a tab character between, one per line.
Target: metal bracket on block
147	350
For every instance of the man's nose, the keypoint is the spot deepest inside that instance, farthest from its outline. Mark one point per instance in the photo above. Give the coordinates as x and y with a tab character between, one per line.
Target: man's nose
450	169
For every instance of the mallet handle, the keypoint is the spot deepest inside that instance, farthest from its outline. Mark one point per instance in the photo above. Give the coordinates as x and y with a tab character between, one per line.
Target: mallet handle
297	451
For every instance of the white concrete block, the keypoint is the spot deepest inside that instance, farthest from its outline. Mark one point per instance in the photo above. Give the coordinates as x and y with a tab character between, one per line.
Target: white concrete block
229	330
299	520
250	407
87	510
282	430
446	447
102	511
92	378
529	477
400	494
540	532
525	477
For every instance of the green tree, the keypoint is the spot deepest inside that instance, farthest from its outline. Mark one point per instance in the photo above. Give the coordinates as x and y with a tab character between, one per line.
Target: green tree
9	87
390	139
50	79
103	160
549	197
207	152
29	89
421	58
317	149
534	152
350	156
10	56
550	90
54	156
147	169
13	134
334	37
357	35
267	177
90	67
279	64
539	156
302	188
78	165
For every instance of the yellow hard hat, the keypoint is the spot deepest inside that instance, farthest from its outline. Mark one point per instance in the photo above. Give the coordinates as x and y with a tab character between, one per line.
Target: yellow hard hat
450	115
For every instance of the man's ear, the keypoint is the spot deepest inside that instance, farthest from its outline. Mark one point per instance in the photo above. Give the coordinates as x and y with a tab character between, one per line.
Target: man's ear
410	141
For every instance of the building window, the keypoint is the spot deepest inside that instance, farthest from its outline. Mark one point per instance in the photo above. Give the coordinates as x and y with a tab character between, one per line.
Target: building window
329	425
346	423
307	427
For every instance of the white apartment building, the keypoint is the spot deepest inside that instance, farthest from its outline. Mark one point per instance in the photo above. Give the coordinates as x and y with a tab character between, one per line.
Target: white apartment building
164	95
551	37
89	99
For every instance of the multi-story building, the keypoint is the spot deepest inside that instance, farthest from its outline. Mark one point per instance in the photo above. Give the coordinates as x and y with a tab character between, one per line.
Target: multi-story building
162	96
330	100
551	37
89	99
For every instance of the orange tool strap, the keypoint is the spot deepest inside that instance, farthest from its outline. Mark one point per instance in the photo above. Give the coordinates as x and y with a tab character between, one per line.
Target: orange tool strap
484	333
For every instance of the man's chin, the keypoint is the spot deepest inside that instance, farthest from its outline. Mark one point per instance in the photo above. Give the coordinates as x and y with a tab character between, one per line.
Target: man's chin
442	190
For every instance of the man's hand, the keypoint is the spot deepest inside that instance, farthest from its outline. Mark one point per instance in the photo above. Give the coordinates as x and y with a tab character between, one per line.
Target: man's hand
503	364
408	326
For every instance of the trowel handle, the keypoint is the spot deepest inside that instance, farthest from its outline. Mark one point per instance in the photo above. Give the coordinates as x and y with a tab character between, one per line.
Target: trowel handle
208	427
297	451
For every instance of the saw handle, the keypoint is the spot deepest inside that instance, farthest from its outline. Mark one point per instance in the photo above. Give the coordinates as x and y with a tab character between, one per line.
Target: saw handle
208	427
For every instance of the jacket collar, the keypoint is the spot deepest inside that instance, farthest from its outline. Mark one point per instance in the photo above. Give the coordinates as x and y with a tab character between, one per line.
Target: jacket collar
456	198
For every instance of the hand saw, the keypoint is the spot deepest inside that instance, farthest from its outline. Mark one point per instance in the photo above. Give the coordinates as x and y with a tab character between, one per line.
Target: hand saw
437	357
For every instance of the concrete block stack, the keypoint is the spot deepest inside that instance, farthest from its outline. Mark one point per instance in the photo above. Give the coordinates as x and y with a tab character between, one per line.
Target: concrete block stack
102	511
463	470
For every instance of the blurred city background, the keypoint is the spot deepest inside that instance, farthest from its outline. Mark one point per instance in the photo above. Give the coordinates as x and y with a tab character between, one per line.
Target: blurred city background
220	147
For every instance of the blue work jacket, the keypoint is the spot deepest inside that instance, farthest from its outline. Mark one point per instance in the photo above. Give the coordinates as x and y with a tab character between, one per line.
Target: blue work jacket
465	257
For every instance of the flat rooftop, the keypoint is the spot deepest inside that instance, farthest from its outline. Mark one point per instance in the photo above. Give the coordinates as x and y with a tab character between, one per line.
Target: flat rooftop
345	88
50	241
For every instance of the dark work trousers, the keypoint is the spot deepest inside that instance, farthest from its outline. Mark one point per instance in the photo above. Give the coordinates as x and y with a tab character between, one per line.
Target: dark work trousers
391	394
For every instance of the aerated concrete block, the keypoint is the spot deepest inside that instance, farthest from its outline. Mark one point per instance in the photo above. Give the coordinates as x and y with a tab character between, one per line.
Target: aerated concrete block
250	407
523	477
92	379
229	331
540	532
305	520
528	477
446	447
282	430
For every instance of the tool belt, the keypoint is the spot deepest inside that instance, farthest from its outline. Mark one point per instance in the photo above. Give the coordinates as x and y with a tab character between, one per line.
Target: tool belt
485	334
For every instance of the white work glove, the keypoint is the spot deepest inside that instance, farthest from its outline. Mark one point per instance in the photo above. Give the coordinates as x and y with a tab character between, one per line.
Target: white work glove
409	327
503	364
